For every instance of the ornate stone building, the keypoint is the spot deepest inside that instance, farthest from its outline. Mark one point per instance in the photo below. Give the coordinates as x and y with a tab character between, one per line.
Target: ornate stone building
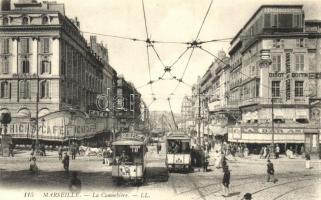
276	57
49	72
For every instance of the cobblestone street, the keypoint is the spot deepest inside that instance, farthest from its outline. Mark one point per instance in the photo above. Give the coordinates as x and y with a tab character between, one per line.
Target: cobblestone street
247	175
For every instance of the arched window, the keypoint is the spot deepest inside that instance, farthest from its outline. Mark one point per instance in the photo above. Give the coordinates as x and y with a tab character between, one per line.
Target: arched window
25	20
5	21
5	90
45	20
44	90
24	89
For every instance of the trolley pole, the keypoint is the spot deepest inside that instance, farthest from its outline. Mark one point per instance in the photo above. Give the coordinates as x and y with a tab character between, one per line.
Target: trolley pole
199	115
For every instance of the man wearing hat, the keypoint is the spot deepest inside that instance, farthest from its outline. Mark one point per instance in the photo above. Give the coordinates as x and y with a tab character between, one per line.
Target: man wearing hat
65	162
247	196
123	157
226	181
270	172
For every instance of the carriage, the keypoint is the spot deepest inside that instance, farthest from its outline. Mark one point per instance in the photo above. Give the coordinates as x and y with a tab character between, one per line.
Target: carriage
129	160
178	152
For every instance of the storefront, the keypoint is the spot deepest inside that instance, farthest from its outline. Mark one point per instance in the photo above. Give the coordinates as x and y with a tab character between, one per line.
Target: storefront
300	139
59	126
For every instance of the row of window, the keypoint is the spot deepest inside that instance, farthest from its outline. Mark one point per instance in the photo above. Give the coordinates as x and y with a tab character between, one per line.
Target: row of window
298	88
298	62
24	89
283	20
25	20
25	45
279	43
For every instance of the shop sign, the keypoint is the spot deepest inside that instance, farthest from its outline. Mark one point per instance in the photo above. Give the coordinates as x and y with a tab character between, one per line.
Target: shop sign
51	130
300	75
237	134
269	130
276	75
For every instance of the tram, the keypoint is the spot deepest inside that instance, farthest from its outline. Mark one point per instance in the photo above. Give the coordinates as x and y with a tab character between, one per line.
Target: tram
178	152
129	159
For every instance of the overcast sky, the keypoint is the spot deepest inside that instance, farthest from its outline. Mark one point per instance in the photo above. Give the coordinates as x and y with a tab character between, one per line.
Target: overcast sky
167	20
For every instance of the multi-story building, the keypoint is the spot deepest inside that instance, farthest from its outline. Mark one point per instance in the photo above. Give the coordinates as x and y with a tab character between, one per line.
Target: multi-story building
217	95
128	103
276	57
187	113
49	74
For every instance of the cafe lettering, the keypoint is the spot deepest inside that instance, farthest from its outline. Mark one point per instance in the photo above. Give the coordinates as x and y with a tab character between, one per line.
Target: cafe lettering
24	128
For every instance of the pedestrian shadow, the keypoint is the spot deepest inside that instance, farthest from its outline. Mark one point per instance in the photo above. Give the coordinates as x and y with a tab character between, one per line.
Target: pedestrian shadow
234	194
156	174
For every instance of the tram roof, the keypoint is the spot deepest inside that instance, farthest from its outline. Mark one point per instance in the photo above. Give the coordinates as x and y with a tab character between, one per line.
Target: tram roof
178	136
127	141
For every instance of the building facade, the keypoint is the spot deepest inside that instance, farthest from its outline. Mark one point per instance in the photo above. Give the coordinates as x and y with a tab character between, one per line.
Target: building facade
274	65
50	76
276	57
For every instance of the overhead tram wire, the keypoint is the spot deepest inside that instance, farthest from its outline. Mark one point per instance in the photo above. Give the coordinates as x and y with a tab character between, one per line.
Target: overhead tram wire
150	77
115	36
160	60
189	59
194	44
146	29
208	10
148	43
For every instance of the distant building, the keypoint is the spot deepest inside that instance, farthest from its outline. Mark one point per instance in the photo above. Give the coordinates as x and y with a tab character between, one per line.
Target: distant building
187	113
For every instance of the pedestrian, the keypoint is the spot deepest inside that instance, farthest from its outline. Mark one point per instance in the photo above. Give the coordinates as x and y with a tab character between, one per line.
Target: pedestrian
33	168
224	163
60	152
65	162
43	150
307	161
158	146
205	160
75	183
247	196
11	147
277	151
270	172
246	151
226	181
73	151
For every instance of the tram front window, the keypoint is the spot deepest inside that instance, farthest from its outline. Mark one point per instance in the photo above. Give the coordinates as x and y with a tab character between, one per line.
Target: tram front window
178	147
129	155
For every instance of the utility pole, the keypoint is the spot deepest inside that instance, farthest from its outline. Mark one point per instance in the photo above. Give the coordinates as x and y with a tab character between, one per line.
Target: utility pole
272	153
199	115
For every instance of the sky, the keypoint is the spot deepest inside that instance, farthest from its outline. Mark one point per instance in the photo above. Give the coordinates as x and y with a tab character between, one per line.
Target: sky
167	20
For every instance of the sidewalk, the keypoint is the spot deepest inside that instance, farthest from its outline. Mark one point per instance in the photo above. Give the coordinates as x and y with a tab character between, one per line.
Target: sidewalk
256	158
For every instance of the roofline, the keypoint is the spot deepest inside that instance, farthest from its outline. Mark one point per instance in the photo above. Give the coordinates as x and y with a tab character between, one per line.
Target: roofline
259	9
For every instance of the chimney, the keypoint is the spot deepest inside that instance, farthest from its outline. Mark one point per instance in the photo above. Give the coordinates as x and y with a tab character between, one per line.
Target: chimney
93	41
5	5
77	22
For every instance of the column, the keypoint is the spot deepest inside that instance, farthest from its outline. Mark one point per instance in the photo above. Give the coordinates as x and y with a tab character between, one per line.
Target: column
264	81
34	57
14	61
